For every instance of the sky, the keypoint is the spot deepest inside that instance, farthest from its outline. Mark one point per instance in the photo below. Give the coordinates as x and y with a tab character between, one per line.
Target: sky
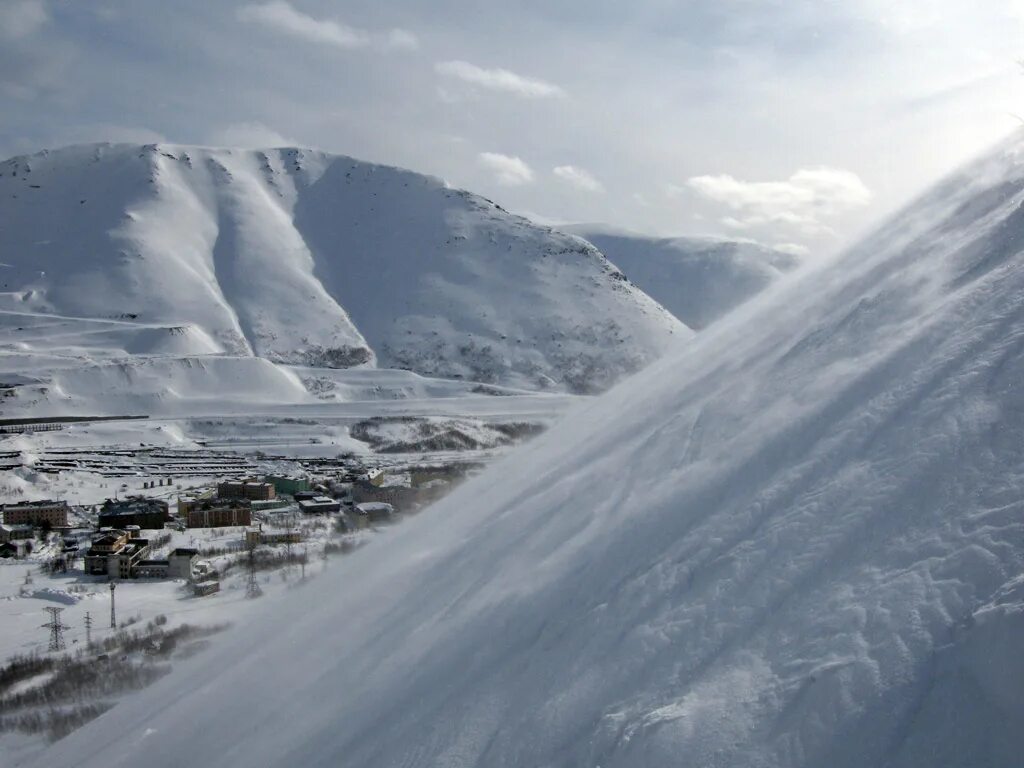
796	123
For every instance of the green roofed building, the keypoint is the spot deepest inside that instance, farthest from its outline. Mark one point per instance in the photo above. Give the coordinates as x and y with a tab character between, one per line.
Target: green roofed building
288	485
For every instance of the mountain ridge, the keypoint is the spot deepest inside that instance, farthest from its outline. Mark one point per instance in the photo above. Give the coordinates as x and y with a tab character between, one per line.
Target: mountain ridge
303	257
698	279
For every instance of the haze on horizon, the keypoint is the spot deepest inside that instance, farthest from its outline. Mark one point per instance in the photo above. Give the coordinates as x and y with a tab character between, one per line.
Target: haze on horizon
794	123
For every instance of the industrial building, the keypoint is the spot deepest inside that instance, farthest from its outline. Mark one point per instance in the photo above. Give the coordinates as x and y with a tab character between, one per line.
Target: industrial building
144	512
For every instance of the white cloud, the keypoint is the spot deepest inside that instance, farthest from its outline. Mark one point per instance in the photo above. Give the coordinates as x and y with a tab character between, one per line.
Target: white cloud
801	202
794	249
21	18
251	135
401	39
498	80
283	17
675	190
508	171
578	177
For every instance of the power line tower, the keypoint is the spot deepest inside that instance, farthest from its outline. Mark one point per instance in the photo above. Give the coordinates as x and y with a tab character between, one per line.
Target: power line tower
289	533
56	629
113	612
88	630
252	588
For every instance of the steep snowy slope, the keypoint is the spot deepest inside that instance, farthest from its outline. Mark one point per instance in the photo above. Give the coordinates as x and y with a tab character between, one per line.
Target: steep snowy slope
697	279
308	258
800	543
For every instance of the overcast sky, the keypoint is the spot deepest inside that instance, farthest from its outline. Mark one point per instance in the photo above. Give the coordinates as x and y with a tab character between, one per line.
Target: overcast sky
792	122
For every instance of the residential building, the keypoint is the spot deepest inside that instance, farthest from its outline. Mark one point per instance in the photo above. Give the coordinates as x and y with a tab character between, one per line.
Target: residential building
398	496
115	554
178	565
142	511
13	549
218	513
257	536
249	488
38	513
450	472
373	512
16	532
151	569
204	588
193	501
181	562
270	505
109	542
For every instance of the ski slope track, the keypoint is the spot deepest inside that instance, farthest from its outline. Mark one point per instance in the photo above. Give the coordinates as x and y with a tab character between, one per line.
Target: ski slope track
797	542
305	258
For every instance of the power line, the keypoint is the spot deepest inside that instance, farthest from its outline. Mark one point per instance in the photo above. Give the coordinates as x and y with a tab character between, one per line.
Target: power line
88	629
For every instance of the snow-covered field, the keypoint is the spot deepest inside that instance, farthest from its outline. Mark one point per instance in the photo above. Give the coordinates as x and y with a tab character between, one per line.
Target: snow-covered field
26	589
798	542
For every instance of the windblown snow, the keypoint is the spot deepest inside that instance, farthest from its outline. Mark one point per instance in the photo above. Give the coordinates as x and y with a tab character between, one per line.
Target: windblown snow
797	542
301	257
697	279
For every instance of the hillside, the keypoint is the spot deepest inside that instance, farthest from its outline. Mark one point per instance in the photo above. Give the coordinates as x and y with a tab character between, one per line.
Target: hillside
800	543
306	258
697	279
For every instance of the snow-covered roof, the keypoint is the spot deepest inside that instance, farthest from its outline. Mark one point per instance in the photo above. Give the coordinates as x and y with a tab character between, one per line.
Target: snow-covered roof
374	506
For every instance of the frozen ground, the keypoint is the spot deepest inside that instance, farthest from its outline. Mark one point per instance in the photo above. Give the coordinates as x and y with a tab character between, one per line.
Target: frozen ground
313	427
799	543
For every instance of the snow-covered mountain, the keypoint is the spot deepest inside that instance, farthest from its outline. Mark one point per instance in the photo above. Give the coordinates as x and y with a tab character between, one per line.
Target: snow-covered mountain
799	543
698	279
302	257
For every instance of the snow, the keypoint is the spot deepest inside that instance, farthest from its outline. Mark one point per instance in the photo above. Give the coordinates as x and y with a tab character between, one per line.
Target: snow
697	279
122	253
799	542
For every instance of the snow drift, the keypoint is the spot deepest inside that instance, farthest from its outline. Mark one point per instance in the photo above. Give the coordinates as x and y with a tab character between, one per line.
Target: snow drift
698	279
306	258
798	543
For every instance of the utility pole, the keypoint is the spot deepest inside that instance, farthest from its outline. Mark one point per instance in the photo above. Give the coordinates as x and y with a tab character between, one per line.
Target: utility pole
56	629
303	563
113	613
88	630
